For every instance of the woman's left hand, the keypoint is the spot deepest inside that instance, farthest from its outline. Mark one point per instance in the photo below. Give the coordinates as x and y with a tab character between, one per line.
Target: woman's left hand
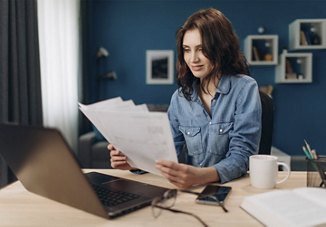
185	176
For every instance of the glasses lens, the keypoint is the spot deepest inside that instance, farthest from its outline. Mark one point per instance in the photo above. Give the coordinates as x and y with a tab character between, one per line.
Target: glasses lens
166	201
169	198
156	211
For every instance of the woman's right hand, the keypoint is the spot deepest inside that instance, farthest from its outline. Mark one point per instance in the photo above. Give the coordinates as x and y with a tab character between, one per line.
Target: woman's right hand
118	159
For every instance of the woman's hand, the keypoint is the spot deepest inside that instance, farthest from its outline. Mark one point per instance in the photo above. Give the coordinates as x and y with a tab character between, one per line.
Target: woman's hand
185	176
118	159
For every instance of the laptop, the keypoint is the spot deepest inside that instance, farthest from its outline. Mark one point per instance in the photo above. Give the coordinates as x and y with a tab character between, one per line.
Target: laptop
43	162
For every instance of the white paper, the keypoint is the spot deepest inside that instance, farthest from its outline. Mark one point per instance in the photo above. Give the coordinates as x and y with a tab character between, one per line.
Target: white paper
142	136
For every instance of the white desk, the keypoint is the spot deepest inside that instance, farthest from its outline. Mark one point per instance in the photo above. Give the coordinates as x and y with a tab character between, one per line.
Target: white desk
19	207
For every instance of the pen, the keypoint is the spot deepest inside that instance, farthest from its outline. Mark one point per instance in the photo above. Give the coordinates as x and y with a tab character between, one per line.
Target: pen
307	153
307	146
314	154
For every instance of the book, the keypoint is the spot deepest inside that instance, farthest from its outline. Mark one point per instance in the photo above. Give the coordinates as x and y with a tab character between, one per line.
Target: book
303	39
297	207
255	52
288	66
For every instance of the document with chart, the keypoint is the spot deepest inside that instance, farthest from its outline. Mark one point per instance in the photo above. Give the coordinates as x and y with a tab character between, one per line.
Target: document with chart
143	136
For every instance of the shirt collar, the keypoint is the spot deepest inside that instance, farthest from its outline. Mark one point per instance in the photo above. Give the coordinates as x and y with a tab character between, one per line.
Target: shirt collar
224	86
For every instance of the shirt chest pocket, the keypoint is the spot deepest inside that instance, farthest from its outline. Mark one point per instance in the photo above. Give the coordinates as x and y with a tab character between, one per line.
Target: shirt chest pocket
223	128
220	137
192	136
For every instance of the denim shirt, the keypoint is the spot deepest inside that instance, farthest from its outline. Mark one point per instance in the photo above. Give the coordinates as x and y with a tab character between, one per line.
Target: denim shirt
226	138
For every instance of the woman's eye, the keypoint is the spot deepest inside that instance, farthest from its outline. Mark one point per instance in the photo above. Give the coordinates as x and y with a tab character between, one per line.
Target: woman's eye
186	50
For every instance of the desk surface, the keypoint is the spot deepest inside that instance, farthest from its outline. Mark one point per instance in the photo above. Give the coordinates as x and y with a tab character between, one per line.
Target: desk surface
19	207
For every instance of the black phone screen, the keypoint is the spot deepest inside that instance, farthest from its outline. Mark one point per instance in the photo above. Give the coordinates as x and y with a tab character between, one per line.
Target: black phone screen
213	193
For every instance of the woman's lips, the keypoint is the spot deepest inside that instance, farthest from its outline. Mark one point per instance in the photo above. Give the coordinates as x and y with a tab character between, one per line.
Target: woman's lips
196	67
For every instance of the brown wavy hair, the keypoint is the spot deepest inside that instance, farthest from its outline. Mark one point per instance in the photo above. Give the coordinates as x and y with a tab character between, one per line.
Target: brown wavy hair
220	45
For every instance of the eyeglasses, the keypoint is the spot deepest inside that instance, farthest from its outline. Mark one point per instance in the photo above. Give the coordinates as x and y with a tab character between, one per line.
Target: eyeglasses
166	202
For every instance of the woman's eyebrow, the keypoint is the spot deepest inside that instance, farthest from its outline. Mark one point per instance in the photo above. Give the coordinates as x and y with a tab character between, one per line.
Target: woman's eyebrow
197	46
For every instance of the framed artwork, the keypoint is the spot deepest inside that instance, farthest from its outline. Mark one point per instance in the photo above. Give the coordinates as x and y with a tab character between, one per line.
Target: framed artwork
159	67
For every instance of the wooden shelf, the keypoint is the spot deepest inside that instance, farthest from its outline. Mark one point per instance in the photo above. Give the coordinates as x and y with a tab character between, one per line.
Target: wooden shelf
307	34
261	49
294	68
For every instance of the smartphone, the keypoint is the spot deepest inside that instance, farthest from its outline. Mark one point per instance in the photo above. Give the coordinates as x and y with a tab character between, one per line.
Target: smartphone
213	194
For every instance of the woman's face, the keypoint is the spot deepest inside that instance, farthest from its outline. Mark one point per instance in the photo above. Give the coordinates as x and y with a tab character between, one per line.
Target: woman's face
197	62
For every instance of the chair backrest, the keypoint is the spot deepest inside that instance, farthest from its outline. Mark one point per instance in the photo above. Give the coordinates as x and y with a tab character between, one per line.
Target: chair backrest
267	123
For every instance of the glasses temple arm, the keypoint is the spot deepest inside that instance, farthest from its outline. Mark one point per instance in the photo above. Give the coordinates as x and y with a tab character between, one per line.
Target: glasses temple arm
182	212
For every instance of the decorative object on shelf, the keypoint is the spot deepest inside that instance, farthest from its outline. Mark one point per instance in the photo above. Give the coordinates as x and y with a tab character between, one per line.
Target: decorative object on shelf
307	34
159	67
294	68
315	38
268	57
261	49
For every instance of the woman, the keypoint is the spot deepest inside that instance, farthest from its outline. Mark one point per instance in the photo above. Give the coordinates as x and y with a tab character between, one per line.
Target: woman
215	115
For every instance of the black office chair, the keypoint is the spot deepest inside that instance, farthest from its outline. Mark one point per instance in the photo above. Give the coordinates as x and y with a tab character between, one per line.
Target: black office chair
265	144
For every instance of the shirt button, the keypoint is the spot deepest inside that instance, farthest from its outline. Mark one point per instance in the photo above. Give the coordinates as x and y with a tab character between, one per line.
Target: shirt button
188	133
221	130
210	122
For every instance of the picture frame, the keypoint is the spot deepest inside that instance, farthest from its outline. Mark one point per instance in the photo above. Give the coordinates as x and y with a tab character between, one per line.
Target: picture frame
159	67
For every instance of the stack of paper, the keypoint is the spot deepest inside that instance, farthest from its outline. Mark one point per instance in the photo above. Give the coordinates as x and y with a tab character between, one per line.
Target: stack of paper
142	136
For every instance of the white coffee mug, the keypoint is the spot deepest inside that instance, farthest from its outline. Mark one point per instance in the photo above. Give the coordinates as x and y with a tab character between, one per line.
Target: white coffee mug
263	171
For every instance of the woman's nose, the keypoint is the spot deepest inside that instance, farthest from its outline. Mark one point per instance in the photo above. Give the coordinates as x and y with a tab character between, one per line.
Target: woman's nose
194	57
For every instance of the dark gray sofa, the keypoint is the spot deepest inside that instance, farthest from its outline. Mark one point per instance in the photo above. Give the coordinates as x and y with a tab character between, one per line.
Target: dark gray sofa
93	153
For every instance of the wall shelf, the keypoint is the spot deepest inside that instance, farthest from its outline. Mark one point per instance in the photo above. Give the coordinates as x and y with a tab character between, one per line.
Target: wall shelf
294	68
261	49
307	34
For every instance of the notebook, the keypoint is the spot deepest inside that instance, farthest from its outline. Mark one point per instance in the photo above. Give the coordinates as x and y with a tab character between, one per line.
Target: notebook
43	162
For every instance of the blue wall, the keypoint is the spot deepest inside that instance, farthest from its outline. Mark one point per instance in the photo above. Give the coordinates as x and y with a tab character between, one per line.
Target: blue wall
129	28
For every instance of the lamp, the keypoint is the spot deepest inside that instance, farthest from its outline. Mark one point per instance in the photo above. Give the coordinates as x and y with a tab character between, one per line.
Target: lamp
102	52
112	75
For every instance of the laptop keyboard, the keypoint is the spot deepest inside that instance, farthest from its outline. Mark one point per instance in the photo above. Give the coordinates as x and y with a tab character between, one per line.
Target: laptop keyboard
111	198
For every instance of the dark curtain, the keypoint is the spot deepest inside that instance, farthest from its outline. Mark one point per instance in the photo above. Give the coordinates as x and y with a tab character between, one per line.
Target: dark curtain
20	79
85	14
